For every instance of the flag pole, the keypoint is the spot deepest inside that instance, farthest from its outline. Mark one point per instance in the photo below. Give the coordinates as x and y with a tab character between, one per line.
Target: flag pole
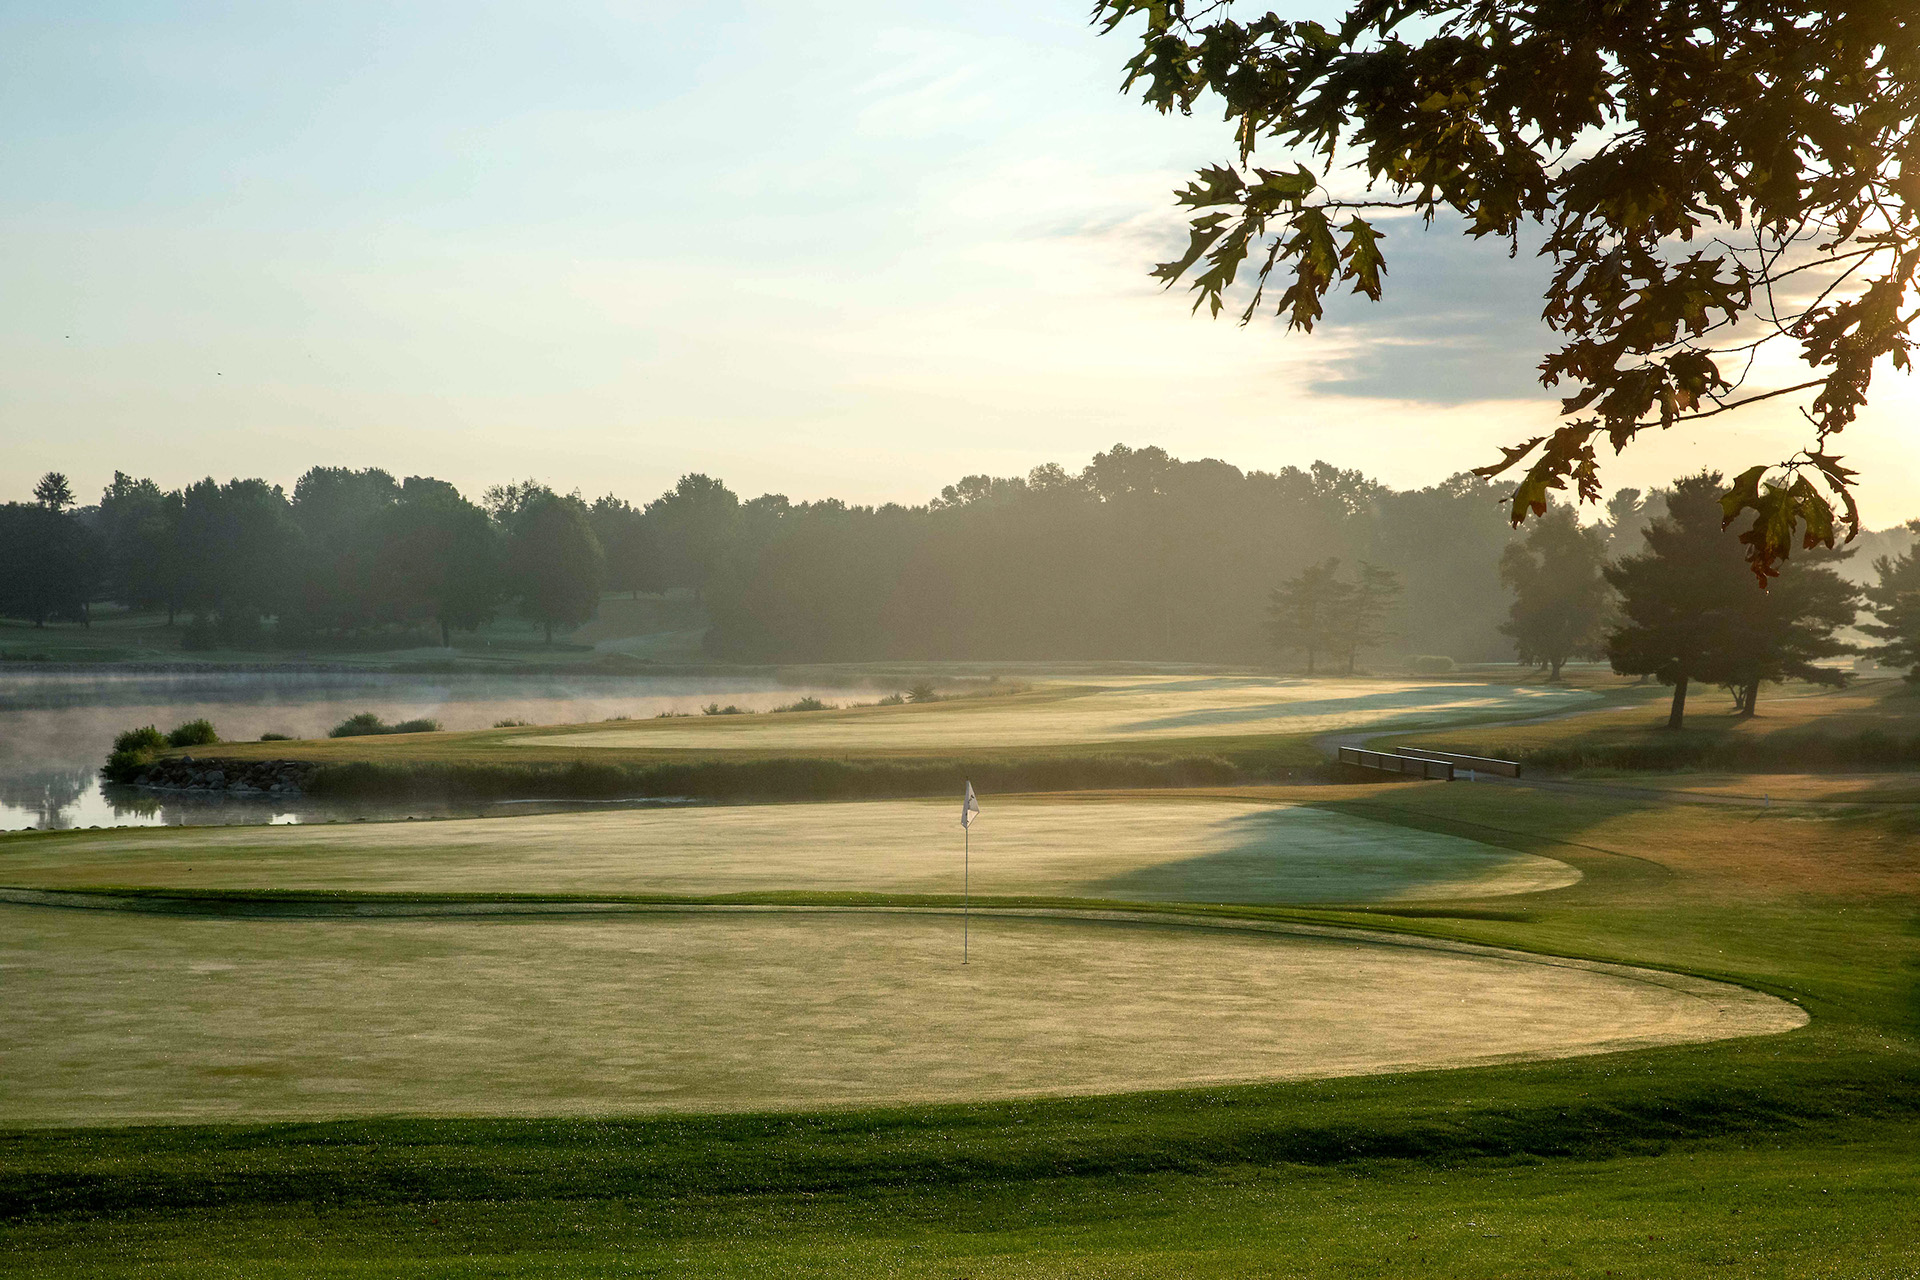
966	891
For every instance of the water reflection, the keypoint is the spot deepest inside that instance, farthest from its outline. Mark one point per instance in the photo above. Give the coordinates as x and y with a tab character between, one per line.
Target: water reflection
56	728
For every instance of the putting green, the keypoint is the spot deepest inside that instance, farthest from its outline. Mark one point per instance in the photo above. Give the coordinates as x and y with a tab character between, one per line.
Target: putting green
1133	709
1168	850
113	1017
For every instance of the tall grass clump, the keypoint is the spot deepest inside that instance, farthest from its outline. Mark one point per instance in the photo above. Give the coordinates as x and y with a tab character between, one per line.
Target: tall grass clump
808	703
194	733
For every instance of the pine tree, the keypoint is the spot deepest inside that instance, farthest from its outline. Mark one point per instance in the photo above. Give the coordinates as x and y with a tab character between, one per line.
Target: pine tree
1308	612
1895	601
1687	612
1560	598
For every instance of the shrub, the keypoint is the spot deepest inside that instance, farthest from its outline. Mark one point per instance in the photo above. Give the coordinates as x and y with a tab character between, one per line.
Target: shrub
808	703
513	724
358	726
892	700
194	733
1431	664
715	709
922	692
276	737
366	724
124	766
146	738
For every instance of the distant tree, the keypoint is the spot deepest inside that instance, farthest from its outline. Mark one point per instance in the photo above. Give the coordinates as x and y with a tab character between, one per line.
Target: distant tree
139	527
237	543
1369	604
633	560
49	564
338	511
1308	612
53	491
438	560
1560	597
1788	631
1895	601
693	526
554	563
1688	613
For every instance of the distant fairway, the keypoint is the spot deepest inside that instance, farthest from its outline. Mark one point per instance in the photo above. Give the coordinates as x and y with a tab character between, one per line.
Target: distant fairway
1186	850
115	1018
1139	708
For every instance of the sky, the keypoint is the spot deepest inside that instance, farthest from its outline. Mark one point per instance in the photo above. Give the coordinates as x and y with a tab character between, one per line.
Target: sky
825	249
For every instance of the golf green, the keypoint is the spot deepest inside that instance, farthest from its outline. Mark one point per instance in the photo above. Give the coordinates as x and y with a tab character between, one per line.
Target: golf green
117	1017
1136	849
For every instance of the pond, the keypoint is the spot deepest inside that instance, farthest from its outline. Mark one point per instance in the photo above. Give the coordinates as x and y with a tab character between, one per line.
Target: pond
56	728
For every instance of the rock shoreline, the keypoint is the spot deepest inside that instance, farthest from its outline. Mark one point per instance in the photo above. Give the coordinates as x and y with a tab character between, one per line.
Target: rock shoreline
240	777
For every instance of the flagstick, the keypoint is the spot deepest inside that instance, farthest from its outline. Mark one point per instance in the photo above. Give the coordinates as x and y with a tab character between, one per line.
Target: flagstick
966	891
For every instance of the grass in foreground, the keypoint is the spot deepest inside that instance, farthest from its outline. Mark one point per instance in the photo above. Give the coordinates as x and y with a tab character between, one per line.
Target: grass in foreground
1783	1156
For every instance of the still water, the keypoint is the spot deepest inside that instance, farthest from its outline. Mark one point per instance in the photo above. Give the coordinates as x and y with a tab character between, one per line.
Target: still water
57	727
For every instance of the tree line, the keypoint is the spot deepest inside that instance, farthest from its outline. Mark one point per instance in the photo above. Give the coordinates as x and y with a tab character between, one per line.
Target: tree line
346	553
1138	555
1658	588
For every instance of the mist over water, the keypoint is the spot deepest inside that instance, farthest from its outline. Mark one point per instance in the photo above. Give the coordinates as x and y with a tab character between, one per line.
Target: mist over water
57	727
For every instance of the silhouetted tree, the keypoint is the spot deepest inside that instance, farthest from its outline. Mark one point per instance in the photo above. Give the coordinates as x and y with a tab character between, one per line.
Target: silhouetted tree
1308	612
53	491
49	564
553	561
139	526
1688	613
1787	631
626	537
1560	597
1895	601
236	545
339	513
693	527
438	560
1369	604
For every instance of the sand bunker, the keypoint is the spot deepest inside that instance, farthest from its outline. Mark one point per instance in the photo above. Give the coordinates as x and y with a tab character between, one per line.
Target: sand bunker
1135	850
112	1017
1141	708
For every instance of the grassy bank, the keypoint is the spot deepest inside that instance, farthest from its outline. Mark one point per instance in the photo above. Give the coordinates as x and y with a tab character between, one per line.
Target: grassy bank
799	777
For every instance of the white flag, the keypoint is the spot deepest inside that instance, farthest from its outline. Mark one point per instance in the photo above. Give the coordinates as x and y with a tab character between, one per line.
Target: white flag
968	807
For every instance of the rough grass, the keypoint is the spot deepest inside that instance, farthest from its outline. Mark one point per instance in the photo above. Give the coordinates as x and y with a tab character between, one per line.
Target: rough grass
1875	724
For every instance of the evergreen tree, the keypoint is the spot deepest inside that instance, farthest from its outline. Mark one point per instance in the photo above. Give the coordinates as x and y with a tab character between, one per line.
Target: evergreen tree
1560	598
1688	613
1369	604
53	491
1895	601
1308	613
1785	632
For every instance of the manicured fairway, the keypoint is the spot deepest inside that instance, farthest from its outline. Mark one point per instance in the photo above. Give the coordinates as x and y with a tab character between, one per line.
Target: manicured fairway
117	1017
1139	708
1134	849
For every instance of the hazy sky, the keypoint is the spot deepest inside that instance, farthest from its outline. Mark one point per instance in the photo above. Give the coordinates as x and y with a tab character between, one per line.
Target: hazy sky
851	249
